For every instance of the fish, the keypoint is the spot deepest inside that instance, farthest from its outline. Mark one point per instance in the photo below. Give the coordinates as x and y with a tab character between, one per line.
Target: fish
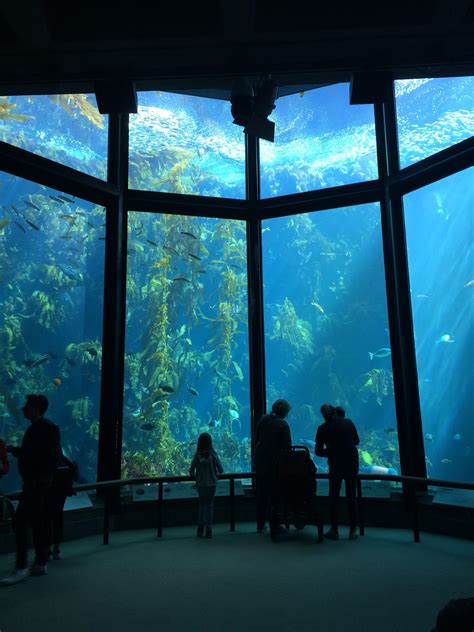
318	306
445	338
190	254
264	230
220	374
428	437
446	461
384	352
170	249
166	388
4	222
234	415
101	238
192	390
66	199
153	243
65	236
31	205
181	278
328	254
188	234
68	218
90	224
200	271
34	362
16	211
389	429
457	437
422	296
214	423
19	226
469	283
148	426
56	198
31	224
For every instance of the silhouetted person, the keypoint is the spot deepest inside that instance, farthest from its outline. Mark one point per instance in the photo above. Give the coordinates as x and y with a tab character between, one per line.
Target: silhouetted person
37	460
456	616
62	487
4	464
271	436
340	437
206	466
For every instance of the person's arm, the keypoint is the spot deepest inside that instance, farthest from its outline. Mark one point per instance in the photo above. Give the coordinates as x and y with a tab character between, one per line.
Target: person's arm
319	448
356	436
286	437
220	469
192	469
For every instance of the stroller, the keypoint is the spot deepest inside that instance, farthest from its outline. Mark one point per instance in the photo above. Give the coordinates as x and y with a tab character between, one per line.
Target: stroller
294	495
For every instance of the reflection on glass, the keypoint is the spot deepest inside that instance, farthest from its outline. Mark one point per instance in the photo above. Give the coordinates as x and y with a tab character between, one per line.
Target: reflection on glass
51	271
440	237
185	144
186	364
66	128
326	327
433	114
320	141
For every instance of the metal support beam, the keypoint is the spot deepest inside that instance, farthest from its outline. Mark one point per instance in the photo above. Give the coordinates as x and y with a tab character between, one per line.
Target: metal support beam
405	375
113	340
255	288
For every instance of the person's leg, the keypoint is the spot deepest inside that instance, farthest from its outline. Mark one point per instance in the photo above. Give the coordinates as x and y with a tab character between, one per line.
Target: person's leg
201	511
58	521
351	489
210	493
20	527
334	489
263	500
41	523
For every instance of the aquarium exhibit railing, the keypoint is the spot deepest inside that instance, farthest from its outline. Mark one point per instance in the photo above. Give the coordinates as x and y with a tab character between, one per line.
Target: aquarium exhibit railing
412	483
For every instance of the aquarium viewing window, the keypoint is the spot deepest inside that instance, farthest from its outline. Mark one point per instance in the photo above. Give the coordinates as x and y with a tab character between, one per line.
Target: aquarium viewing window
221	293
440	234
51	300
186	144
66	128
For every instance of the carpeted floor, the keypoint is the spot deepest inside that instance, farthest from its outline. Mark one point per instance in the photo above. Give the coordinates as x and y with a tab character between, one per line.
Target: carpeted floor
382	582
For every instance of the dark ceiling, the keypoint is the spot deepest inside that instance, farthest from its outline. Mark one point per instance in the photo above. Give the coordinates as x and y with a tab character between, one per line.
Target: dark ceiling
45	43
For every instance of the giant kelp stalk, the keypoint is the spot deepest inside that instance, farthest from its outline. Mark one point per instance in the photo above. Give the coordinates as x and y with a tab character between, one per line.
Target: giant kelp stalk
230	311
6	112
292	330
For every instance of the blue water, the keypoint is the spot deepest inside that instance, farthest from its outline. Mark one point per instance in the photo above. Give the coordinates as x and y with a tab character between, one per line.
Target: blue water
324	291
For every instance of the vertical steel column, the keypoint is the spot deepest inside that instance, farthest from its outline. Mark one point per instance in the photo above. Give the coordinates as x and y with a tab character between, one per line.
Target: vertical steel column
255	286
113	340
402	342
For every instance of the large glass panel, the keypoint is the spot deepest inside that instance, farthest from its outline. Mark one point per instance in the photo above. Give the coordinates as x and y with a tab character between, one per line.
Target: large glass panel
433	114
186	343
320	141
326	327
440	237
51	300
66	128
185	144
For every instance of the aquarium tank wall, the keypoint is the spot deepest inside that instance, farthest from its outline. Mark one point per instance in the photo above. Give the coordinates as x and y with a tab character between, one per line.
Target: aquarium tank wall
188	295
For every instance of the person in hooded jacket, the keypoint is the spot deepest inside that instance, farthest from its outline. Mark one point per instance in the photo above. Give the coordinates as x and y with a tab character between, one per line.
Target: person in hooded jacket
206	467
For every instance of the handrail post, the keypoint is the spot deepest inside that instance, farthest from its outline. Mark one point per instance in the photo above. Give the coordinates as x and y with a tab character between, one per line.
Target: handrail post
160	509
416	521
360	507
232	504
106	517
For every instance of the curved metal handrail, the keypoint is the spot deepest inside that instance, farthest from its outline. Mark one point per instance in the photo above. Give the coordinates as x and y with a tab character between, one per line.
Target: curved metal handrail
412	481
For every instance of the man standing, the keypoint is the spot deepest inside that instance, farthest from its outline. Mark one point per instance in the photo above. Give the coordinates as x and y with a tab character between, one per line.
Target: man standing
271	436
37	461
340	437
